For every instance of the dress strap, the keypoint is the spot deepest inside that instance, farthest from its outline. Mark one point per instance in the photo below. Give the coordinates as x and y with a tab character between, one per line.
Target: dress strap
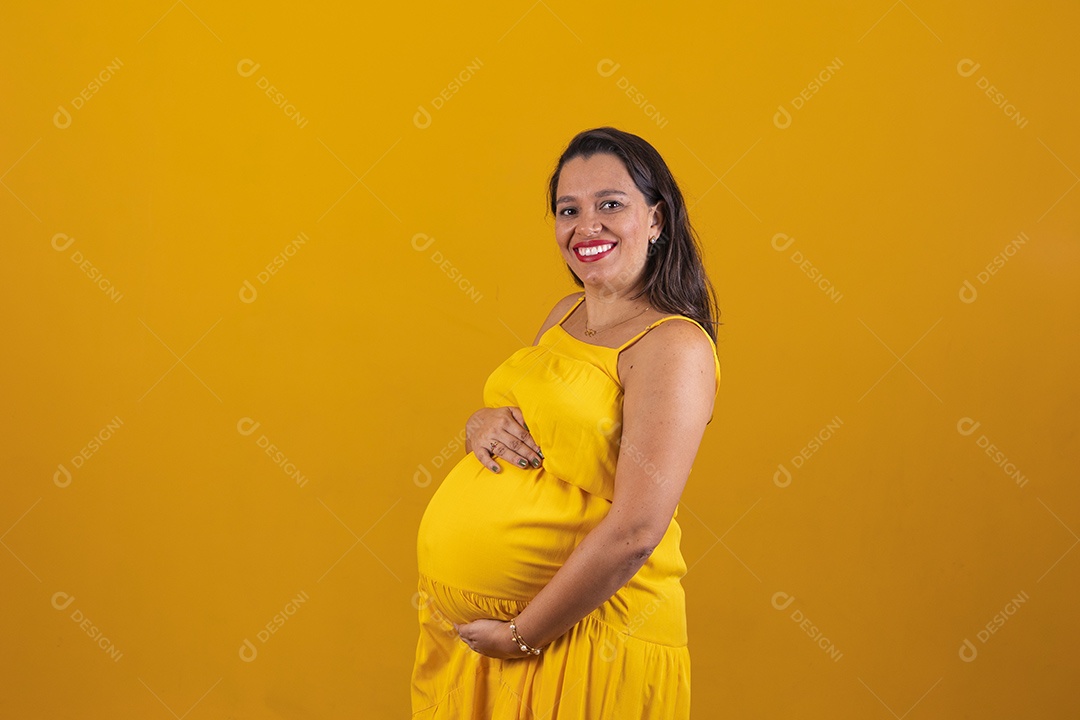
571	310
641	334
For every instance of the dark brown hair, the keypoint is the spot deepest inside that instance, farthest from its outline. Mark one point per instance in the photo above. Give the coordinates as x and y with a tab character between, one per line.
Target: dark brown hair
675	280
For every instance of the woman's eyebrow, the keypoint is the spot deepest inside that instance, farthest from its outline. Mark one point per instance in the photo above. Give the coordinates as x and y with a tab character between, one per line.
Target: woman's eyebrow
598	194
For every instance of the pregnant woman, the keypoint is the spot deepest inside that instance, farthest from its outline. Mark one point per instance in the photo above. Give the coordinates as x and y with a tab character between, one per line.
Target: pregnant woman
549	556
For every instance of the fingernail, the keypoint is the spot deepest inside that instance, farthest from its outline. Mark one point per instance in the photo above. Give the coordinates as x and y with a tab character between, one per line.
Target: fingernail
495	468
540	453
536	463
522	463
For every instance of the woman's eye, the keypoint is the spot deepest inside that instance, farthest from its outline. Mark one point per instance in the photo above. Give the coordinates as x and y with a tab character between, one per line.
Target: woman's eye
604	204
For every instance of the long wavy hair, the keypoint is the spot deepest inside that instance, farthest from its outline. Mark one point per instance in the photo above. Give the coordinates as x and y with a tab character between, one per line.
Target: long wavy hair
675	280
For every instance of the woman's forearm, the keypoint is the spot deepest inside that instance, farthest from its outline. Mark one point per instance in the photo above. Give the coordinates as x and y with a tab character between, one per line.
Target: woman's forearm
598	567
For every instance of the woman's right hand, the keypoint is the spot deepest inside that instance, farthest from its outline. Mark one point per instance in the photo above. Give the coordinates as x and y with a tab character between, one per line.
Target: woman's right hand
504	429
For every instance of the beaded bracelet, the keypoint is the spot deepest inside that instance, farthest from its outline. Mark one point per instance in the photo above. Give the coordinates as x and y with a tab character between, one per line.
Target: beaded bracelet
525	647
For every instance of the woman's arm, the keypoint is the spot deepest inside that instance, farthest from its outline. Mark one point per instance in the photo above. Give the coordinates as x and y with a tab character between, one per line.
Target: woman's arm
667	401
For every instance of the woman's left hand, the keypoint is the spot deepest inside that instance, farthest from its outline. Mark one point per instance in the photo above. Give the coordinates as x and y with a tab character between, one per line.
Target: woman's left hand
490	637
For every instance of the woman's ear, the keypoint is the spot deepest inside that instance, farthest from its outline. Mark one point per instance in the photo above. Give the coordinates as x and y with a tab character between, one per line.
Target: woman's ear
658	217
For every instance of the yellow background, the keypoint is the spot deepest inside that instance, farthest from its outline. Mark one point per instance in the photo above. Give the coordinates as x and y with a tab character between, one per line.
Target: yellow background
179	179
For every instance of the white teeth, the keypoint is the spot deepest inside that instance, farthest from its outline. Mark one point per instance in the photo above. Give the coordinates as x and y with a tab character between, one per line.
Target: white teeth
594	250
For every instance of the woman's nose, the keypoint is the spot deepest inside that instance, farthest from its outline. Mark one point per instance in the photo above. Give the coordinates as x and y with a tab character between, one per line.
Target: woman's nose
589	226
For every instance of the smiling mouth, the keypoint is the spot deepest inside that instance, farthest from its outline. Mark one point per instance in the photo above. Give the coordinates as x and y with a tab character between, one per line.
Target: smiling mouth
593	252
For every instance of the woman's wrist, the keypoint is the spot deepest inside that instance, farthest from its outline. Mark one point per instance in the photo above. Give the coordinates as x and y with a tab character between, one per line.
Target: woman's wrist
527	633
520	641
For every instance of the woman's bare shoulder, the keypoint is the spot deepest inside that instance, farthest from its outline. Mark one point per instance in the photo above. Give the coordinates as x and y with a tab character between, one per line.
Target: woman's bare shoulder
679	347
561	308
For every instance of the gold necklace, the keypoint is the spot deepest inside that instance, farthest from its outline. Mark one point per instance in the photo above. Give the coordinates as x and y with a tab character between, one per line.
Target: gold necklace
589	332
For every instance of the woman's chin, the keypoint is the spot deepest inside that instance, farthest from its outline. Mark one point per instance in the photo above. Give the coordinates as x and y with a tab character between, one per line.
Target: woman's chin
601	283
597	277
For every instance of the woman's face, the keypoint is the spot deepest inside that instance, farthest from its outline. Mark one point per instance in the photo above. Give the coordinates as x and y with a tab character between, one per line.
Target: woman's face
603	224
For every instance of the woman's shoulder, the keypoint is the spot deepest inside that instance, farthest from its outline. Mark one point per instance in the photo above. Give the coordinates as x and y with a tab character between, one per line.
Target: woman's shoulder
688	331
557	312
674	344
668	335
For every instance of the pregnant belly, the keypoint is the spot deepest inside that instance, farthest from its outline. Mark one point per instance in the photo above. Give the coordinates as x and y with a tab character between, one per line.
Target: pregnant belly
503	535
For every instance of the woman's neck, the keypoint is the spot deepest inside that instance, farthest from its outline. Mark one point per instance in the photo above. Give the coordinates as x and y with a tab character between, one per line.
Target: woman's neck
604	308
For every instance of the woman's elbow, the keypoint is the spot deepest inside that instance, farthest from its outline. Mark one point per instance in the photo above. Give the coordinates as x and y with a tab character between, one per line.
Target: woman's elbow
638	541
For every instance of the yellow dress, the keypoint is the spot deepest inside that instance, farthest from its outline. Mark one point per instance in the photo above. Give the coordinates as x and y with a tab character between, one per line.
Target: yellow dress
488	542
